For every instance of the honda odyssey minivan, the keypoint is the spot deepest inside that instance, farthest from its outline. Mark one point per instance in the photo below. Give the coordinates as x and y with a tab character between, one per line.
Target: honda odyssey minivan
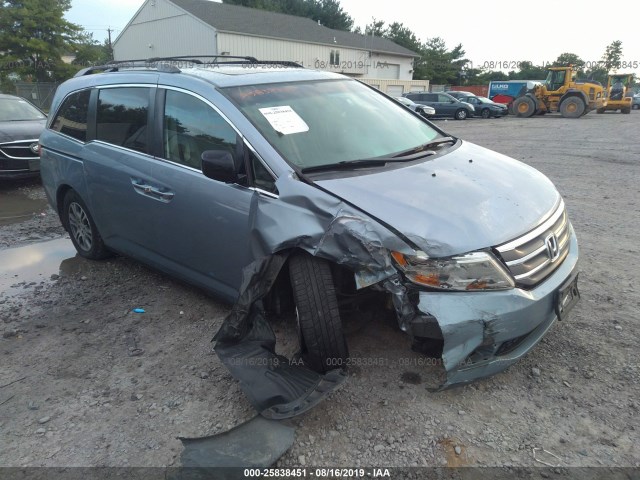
206	171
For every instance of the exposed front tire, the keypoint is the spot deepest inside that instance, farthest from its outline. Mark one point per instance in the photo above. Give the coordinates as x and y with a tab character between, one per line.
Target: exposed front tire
524	107
460	114
572	107
485	113
82	229
322	342
626	110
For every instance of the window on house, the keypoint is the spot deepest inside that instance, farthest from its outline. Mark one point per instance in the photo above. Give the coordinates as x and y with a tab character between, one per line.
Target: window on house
334	58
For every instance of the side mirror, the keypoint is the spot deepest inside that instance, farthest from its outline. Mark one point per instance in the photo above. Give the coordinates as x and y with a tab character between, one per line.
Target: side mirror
219	165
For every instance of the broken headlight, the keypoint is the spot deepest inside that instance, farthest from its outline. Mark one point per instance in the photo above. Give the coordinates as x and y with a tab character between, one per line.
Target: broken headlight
472	271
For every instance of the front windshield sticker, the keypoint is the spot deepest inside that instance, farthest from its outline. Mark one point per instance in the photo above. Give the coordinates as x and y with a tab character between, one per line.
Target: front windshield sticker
284	120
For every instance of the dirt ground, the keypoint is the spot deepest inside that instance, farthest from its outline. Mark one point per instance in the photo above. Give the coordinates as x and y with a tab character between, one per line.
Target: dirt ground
84	381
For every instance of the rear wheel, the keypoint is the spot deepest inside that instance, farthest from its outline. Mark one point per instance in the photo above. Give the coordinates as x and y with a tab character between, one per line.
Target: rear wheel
84	234
322	341
485	113
572	107
626	110
524	107
460	114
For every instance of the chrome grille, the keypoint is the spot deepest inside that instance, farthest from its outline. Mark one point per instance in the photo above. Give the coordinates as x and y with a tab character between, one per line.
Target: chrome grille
20	150
534	256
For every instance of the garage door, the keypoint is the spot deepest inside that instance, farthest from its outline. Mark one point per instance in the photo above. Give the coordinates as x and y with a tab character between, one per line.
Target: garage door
388	70
394	90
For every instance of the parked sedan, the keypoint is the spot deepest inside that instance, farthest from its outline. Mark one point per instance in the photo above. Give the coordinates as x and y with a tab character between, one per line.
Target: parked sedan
21	124
445	105
636	101
424	110
486	108
459	94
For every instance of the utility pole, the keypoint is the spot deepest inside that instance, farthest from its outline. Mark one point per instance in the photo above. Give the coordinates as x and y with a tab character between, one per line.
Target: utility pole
109	43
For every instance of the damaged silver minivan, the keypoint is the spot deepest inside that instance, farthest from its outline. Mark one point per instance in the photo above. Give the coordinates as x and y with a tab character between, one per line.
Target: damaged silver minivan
285	189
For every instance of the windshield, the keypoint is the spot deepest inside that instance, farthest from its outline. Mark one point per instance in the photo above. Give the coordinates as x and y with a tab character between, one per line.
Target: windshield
327	122
16	109
484	99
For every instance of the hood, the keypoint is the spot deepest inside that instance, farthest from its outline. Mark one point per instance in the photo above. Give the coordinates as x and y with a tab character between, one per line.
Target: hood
25	130
476	199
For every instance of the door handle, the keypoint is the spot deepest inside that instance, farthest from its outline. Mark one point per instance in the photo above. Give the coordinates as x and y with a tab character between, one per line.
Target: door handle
154	192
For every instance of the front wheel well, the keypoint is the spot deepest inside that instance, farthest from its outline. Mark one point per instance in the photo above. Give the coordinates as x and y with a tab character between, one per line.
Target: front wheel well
279	300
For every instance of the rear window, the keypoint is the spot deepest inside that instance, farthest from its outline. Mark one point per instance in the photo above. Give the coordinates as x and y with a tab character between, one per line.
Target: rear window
71	119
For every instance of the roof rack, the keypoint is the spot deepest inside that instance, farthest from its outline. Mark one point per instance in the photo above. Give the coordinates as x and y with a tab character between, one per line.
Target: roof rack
167	64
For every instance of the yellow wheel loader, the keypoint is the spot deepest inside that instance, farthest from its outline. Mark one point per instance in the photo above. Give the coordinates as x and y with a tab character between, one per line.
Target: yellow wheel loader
560	92
618	94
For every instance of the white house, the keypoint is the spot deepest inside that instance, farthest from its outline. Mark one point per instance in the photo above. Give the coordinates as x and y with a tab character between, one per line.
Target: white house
166	28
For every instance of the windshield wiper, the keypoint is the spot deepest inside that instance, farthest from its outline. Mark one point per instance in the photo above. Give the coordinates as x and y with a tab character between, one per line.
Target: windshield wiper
426	146
405	156
347	165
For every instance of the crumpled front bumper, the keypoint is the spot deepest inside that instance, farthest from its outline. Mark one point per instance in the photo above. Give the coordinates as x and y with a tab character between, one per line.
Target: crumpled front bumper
486	332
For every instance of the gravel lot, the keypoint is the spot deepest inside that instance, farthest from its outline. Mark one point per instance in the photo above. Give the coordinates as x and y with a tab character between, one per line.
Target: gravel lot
87	382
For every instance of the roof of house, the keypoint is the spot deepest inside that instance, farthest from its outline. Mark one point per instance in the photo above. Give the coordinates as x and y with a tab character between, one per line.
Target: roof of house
263	23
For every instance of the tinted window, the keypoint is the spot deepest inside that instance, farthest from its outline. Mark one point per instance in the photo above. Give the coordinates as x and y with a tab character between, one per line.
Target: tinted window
444	98
430	97
72	116
191	127
122	117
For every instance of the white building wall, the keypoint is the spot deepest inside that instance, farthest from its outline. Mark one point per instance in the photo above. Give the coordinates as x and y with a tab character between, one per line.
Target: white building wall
385	66
397	87
160	29
353	62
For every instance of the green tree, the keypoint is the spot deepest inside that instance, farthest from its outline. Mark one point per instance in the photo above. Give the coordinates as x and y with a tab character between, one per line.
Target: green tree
375	28
435	62
610	61
612	56
441	65
528	71
90	52
565	59
328	12
33	37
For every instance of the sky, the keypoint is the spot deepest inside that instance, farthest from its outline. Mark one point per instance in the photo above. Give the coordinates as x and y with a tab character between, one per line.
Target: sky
499	33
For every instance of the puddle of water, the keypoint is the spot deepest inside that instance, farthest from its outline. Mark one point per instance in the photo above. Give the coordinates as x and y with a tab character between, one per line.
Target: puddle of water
21	266
16	206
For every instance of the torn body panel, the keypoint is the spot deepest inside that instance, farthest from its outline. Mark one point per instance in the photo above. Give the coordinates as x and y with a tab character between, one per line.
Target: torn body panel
486	332
322	226
473	326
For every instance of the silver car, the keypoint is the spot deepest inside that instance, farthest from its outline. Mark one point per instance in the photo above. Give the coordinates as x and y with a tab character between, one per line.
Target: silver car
283	189
424	110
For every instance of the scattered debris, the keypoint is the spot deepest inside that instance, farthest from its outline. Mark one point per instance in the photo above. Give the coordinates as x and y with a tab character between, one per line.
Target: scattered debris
535	449
257	443
11	383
